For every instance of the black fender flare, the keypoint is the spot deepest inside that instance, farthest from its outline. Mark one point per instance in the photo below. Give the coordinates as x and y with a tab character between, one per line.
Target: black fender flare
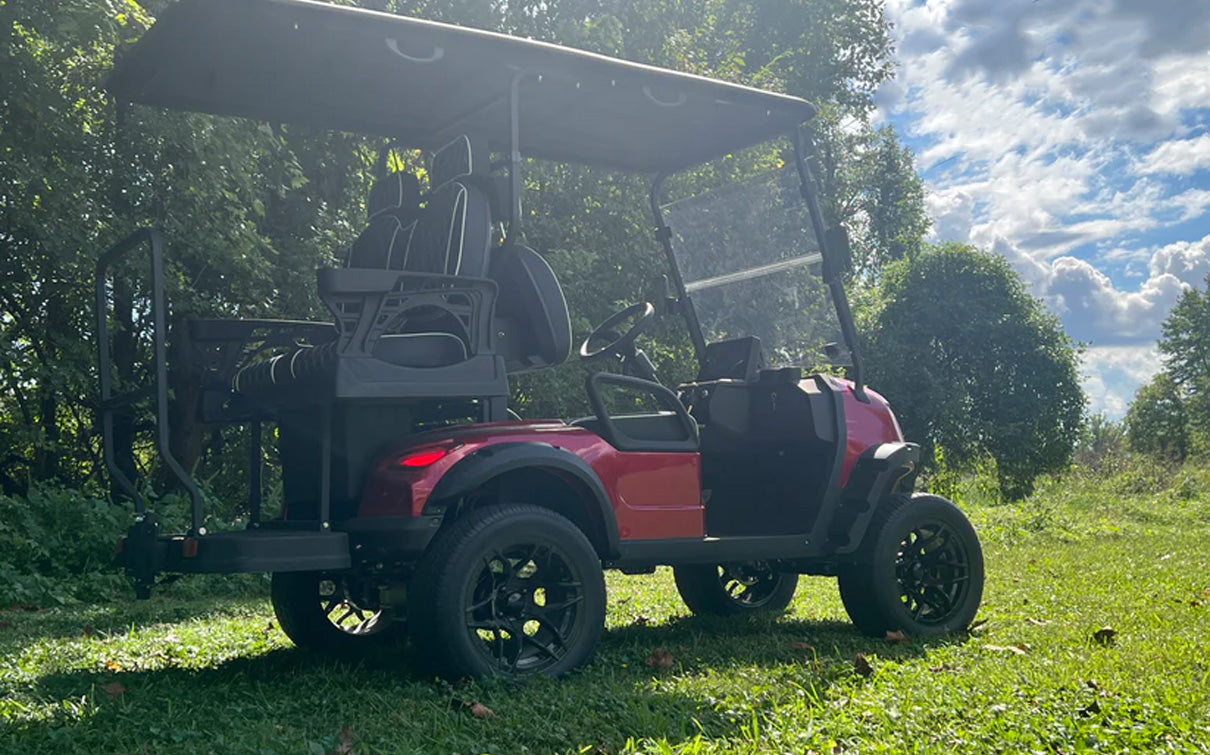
484	464
874	477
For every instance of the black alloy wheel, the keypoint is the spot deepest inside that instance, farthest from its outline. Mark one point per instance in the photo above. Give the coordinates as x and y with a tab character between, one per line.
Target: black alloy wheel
333	614
508	590
920	571
735	589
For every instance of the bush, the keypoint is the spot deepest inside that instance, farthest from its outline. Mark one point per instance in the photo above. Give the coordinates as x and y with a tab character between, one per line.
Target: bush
57	545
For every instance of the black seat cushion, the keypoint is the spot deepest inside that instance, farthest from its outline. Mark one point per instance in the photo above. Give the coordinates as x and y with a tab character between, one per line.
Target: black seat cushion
531	312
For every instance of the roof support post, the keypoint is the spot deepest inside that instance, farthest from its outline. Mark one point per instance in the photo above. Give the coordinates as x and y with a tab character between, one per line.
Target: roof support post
804	148
663	234
514	156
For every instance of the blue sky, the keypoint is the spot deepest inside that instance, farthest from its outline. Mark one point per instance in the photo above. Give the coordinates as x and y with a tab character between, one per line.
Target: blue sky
1072	137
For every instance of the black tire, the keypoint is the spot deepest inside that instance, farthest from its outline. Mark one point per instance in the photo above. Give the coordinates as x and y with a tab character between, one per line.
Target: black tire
735	589
329	614
919	571
510	590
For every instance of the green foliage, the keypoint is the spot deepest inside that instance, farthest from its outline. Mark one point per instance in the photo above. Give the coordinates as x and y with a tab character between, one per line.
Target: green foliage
1156	422
973	365
1185	347
57	545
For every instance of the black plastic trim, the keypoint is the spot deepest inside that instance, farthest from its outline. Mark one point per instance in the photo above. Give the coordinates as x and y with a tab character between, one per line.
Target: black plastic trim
483	465
873	478
664	397
638	554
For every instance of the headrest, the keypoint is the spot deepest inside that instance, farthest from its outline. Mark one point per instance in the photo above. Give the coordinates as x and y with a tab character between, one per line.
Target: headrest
394	191
457	159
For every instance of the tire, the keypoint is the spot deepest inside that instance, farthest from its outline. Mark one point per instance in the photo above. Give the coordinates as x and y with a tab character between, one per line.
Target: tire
326	613
735	589
509	590
919	571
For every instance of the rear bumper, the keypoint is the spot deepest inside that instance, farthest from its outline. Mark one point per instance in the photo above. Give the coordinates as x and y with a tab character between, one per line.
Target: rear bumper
276	547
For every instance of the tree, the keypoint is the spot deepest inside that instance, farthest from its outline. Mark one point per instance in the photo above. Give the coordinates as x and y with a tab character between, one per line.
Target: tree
973	365
1185	347
1156	422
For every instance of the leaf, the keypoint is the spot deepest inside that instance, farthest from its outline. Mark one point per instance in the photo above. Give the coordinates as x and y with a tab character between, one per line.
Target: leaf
895	636
974	627
1019	649
346	741
1036	622
659	658
112	665
113	689
861	665
479	710
803	646
1105	636
87	630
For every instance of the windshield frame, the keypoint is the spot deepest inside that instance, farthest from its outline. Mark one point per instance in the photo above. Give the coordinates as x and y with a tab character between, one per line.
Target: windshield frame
832	256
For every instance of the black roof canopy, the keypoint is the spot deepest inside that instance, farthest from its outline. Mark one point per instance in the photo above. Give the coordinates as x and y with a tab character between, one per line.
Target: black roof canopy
297	61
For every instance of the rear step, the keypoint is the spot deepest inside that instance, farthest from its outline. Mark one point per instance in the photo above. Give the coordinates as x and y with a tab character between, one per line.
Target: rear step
144	552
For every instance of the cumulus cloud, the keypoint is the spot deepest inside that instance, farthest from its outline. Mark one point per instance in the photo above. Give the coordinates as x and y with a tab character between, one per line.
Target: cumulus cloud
1074	139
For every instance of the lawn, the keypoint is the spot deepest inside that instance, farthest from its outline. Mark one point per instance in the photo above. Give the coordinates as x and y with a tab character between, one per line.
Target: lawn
183	674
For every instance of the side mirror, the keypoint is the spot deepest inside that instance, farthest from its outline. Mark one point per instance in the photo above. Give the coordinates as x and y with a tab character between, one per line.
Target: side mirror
837	258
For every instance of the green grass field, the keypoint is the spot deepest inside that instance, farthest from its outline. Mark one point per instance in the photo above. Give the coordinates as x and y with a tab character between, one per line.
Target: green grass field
189	675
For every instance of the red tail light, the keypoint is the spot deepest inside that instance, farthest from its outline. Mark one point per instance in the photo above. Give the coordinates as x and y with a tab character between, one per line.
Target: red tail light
421	458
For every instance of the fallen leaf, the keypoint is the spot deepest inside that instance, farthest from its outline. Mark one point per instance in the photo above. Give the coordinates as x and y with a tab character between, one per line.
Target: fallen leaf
802	646
113	689
894	636
346	741
112	666
976	626
1018	649
660	658
861	665
943	667
1036	622
479	710
1104	636
623	601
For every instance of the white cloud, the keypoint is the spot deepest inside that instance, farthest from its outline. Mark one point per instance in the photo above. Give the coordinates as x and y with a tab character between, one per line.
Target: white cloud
1111	374
1064	136
1181	157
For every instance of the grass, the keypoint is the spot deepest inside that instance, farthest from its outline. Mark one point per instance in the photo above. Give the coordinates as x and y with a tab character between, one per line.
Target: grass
191	675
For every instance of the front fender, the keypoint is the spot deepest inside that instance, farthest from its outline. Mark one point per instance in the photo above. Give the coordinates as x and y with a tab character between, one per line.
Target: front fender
875	475
477	468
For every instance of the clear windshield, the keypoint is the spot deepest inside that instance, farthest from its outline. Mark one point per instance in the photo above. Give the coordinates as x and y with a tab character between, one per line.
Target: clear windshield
750	262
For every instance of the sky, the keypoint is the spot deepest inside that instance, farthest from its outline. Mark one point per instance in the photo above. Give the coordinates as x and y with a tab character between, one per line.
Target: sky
1072	137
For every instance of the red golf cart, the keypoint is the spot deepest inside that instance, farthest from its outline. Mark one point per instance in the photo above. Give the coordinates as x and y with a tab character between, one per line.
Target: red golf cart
414	501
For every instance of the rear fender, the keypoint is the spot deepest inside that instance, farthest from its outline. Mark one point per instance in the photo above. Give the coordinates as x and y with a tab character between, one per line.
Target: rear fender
490	462
876	475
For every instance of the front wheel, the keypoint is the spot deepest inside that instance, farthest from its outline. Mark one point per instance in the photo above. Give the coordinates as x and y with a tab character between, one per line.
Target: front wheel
508	590
920	570
735	589
333	614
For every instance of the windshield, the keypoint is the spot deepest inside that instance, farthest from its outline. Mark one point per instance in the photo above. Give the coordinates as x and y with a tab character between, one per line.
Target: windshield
750	262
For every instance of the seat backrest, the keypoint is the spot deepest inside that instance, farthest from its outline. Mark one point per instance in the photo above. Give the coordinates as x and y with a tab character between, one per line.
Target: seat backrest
453	235
531	323
393	209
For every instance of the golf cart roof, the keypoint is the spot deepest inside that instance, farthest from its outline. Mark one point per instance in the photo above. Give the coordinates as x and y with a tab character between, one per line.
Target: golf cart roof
350	69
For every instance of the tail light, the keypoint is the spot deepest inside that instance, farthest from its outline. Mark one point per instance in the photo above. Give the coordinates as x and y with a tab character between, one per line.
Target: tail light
418	458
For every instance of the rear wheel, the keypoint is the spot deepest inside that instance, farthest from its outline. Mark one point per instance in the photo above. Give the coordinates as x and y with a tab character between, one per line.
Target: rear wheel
735	589
509	590
920	570
332	614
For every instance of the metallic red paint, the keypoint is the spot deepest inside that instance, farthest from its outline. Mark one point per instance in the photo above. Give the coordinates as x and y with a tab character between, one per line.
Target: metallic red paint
865	424
654	495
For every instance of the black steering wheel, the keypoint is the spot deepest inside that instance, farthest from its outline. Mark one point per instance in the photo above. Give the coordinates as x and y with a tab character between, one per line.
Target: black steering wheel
617	345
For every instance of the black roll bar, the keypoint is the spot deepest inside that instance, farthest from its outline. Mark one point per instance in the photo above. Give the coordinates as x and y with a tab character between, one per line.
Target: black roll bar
111	403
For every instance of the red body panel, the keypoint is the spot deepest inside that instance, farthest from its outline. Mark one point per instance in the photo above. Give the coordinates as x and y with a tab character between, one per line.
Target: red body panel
865	424
654	495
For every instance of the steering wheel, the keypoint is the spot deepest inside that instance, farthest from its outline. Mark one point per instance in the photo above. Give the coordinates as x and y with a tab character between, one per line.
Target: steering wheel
617	345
